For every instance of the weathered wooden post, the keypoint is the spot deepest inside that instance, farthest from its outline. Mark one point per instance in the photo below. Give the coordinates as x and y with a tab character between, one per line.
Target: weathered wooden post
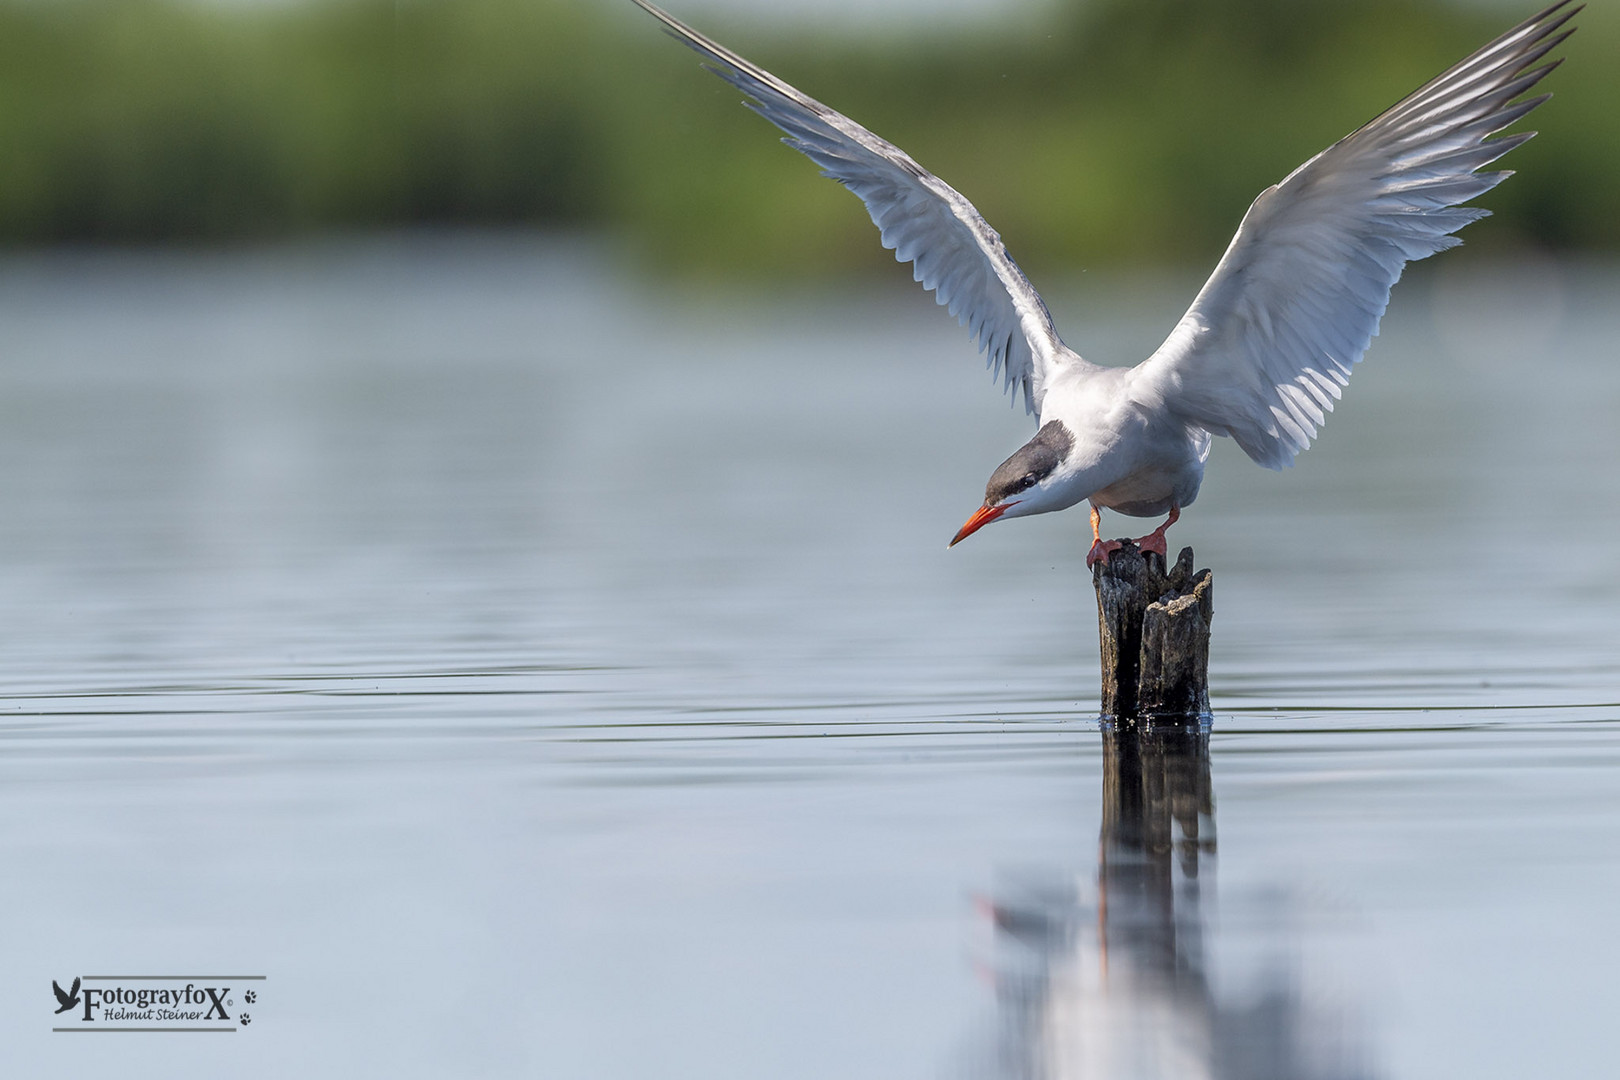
1154	629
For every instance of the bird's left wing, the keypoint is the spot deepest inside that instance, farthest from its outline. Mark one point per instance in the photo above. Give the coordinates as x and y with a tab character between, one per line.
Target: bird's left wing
1297	297
957	255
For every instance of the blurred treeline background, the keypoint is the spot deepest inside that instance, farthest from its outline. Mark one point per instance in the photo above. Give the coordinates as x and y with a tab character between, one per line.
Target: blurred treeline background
1108	131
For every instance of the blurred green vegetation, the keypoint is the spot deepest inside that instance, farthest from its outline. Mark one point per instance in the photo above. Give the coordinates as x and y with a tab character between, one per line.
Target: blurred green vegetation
1123	130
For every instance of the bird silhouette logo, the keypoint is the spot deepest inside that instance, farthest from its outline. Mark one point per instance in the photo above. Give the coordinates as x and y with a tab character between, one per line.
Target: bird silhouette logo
68	998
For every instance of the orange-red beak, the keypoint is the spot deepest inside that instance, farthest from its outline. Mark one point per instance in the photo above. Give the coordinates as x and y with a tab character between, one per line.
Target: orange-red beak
983	516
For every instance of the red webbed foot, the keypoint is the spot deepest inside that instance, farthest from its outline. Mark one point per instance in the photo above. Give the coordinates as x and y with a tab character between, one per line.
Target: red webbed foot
1155	542
1101	549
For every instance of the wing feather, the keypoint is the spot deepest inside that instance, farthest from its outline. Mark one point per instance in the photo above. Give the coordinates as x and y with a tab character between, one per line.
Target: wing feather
955	254
1297	298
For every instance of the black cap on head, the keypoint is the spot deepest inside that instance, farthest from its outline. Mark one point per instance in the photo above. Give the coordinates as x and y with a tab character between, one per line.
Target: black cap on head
1033	463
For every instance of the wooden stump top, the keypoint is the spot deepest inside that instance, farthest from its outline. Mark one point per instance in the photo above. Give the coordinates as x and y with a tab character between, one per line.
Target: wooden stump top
1153	624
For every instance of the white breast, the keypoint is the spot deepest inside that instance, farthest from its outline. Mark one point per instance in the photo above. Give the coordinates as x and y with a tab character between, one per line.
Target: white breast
1130	455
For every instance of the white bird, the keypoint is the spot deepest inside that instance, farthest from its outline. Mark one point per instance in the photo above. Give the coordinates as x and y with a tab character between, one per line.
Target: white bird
1270	339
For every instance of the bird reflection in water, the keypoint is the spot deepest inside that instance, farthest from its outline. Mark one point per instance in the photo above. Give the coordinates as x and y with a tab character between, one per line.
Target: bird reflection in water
1121	988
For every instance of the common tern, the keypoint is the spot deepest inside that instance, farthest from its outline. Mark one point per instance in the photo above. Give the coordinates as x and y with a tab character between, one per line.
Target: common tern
1270	340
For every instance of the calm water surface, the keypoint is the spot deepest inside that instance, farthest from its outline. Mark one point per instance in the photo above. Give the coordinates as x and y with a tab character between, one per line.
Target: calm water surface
535	673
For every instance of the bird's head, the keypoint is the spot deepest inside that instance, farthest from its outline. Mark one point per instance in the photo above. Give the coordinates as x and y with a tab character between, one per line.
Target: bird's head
1025	483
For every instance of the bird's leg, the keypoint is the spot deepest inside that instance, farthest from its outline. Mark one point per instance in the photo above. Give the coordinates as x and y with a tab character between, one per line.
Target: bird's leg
1154	541
1100	548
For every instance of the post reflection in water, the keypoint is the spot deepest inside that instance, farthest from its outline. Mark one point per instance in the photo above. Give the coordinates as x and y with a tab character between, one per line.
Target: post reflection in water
1121	987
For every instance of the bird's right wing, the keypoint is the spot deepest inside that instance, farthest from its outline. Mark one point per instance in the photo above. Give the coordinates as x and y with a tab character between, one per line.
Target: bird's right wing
1297	298
957	255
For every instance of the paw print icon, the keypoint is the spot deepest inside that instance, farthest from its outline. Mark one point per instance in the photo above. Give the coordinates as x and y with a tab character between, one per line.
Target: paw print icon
244	1019
250	997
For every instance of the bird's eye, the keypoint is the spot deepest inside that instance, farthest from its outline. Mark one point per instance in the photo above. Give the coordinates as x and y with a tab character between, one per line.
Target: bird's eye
1027	482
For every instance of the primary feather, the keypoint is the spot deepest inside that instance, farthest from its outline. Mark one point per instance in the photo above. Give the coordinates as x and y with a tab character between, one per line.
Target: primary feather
1296	300
928	223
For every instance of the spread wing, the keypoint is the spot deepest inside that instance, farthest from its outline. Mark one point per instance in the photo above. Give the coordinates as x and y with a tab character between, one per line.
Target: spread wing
957	255
1297	297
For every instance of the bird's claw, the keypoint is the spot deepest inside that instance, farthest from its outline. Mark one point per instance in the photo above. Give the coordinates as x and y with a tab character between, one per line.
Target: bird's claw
1154	542
1104	548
